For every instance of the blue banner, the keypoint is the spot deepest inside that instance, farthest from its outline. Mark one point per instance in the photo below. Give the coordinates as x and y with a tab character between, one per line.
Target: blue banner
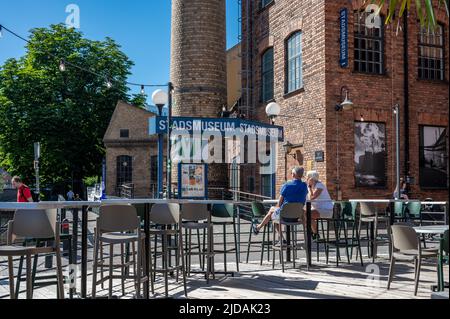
343	47
158	125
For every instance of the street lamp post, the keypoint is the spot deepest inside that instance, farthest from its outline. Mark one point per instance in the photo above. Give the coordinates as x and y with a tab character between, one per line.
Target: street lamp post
396	110
347	104
160	98
169	142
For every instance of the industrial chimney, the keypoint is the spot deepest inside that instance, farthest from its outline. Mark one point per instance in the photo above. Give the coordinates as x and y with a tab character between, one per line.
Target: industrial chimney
198	66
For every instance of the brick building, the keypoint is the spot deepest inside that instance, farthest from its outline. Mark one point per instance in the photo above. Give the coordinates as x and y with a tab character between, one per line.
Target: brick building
131	154
291	55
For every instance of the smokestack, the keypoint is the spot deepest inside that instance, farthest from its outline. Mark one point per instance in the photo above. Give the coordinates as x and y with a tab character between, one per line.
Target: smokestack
198	58
198	68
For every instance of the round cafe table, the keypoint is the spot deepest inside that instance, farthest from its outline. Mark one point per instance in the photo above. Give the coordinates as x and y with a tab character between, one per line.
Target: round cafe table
432	230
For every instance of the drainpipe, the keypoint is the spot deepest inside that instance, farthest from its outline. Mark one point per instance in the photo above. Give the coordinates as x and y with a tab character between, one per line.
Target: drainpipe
406	92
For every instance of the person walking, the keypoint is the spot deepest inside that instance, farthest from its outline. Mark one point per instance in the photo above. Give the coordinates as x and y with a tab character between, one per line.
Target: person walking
70	195
23	191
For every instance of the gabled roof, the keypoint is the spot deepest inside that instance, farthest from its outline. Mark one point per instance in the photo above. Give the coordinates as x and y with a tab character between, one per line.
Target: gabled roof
133	118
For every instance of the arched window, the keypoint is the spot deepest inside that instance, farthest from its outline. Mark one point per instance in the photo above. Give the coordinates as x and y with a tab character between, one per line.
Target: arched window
124	170
267	75
294	62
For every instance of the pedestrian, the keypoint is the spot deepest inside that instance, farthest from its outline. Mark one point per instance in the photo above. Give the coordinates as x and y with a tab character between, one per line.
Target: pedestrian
77	198
403	191
70	195
294	191
23	191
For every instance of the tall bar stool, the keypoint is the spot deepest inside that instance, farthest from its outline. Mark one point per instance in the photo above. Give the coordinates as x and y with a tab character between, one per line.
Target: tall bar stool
258	213
221	212
33	224
119	225
292	216
165	216
196	217
369	215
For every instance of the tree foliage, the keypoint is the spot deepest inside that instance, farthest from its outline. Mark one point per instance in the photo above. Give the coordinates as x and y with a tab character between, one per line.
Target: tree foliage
427	10
67	112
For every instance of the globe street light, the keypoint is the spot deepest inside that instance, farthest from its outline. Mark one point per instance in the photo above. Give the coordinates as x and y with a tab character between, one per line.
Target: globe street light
273	110
160	98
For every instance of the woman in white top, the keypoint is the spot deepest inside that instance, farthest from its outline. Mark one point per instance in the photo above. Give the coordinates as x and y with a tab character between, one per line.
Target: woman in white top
322	205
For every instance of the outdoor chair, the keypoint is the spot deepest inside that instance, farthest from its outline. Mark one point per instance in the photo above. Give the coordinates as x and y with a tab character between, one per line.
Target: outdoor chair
443	259
196	217
414	216
291	216
220	212
370	215
168	219
119	225
400	212
258	213
33	224
406	246
346	233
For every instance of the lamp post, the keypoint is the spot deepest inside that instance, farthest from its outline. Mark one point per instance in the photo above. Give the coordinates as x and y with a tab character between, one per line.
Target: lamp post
37	156
160	98
346	105
396	111
169	142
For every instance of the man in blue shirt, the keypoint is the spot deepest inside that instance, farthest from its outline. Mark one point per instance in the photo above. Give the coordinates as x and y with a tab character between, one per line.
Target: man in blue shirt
294	191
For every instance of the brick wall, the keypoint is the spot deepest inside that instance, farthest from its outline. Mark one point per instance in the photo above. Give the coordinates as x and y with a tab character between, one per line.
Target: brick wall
373	95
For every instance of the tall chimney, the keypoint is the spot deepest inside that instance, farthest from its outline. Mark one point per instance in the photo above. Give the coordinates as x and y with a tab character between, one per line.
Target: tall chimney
198	67
198	64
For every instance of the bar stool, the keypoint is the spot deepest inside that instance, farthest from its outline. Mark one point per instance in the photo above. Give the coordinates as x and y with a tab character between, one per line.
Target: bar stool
258	213
369	214
291	215
119	225
226	211
166	215
197	217
33	224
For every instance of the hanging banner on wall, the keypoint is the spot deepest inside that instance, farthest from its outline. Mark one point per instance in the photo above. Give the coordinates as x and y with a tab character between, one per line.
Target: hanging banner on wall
343	40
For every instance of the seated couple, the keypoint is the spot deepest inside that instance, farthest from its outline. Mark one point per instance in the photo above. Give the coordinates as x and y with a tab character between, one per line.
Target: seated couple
296	191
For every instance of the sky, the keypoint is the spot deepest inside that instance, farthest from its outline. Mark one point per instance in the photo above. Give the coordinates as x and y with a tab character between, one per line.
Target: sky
141	27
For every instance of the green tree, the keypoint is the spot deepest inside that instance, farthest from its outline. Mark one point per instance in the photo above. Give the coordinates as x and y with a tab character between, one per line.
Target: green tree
427	10
68	112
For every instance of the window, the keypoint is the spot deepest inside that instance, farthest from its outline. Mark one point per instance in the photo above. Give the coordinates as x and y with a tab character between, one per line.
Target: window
433	157
267	75
431	54
124	170
265	3
294	62
154	169
369	45
266	185
124	133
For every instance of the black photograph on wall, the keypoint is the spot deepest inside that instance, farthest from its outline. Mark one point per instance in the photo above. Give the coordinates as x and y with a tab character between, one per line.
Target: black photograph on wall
370	154
433	157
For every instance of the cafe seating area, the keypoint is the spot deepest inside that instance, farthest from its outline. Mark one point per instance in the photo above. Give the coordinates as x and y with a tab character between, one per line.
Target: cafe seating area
206	249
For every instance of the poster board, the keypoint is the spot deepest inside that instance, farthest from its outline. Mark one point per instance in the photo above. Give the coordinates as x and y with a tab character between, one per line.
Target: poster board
192	181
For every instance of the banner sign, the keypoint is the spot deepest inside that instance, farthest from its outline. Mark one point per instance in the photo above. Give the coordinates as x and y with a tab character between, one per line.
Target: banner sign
193	181
231	126
343	22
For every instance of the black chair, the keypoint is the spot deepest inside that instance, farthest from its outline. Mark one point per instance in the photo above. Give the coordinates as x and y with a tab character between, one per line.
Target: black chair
258	213
220	212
